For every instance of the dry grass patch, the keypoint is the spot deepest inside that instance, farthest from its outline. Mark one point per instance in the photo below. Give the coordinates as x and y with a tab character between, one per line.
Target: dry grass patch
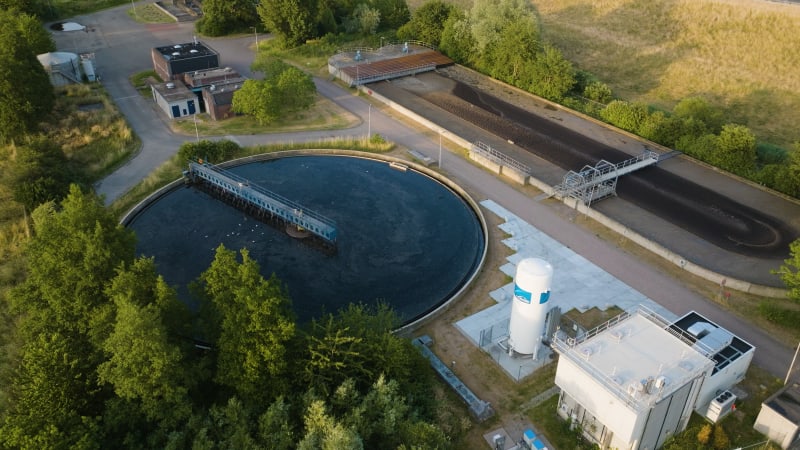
740	55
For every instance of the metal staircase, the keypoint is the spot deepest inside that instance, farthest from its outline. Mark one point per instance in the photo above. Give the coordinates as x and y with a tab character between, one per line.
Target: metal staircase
596	182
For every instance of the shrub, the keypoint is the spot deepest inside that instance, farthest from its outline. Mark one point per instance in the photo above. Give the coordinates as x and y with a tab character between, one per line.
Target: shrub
704	435
625	115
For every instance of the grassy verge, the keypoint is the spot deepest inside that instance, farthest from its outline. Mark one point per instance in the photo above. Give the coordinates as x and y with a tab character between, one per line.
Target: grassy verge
149	13
71	8
141	81
323	115
90	129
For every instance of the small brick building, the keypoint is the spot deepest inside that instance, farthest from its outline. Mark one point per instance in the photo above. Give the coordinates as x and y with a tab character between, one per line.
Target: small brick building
171	61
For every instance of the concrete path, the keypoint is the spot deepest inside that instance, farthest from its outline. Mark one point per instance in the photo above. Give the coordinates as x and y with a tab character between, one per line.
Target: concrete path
122	48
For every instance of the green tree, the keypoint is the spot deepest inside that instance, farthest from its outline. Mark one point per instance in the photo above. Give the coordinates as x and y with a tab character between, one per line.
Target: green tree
701	147
489	17
26	94
364	20
736	150
790	271
699	109
284	89
457	41
297	90
291	21
508	58
259	99
71	260
625	115
255	322
393	13
553	76
427	22
275	427
325	432
55	397
38	172
222	17
144	363
40	8
31	29
597	91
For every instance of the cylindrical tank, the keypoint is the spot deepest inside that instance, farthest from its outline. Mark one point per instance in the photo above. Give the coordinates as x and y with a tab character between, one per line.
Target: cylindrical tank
63	67
530	304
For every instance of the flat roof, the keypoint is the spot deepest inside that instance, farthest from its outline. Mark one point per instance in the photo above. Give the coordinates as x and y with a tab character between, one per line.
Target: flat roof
786	402
631	352
695	327
177	91
199	76
185	51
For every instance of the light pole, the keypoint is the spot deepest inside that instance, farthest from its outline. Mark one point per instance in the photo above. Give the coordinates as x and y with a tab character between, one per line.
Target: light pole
791	366
255	32
752	445
134	8
369	122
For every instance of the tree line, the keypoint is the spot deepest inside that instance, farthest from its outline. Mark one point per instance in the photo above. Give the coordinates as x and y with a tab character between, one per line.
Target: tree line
107	356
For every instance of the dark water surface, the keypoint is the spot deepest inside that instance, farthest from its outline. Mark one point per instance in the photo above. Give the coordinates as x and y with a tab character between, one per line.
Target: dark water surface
403	238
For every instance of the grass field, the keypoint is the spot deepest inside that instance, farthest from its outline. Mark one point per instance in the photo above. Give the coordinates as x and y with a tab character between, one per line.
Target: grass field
741	55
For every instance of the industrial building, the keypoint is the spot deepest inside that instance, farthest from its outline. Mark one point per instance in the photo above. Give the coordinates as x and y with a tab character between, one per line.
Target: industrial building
779	418
195	82
172	61
634	381
175	99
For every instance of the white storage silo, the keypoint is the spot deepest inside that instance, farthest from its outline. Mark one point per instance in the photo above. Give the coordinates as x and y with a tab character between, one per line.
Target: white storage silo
530	305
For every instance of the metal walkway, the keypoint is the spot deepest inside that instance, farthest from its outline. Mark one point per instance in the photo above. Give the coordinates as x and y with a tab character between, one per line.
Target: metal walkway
595	183
263	200
480	409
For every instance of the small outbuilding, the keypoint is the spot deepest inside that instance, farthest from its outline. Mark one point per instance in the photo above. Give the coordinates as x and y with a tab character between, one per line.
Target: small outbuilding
64	68
218	99
175	99
780	416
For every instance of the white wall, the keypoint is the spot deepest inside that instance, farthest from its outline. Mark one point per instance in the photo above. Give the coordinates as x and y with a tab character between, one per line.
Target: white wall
620	418
775	426
732	374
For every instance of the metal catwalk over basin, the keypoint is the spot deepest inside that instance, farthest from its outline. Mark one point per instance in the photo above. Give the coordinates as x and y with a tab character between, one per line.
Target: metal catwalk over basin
596	182
264	200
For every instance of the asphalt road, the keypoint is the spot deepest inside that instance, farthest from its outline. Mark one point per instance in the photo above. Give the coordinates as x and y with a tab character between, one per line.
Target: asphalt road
122	48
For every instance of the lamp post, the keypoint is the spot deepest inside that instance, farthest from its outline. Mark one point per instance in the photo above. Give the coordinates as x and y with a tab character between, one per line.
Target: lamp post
134	8
791	366
369	122
255	32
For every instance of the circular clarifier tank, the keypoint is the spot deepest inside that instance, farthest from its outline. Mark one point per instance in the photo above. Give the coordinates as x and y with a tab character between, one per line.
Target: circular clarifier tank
408	238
